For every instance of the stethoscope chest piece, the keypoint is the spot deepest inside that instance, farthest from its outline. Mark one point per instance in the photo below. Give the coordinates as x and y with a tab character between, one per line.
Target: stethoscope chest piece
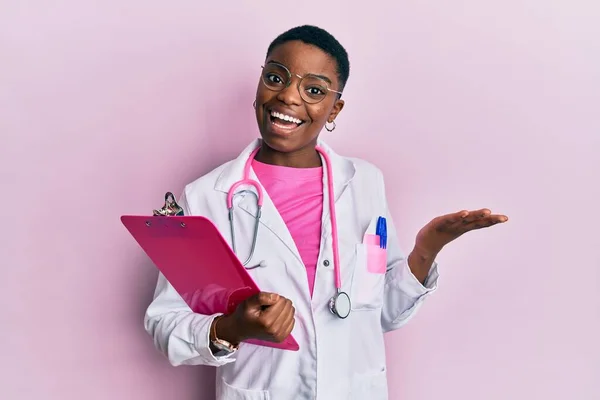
340	304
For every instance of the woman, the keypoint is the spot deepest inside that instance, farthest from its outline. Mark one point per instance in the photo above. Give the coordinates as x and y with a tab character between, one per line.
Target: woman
341	356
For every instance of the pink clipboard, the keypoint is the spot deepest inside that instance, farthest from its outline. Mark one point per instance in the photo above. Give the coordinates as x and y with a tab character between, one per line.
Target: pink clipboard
197	261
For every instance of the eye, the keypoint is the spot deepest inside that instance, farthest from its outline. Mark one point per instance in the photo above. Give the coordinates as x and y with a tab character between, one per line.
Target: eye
315	91
274	78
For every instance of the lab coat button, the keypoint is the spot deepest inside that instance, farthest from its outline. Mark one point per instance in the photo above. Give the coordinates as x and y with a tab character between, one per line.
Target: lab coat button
326	263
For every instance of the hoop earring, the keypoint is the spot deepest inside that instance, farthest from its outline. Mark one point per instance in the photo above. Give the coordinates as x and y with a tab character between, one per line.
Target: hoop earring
332	128
254	105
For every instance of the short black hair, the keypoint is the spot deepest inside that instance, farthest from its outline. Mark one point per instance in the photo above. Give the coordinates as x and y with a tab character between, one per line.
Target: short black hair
322	39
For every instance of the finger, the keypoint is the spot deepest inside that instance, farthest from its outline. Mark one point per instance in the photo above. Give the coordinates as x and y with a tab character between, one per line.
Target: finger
475	215
285	323
284	314
493	218
288	328
500	218
454	217
269	317
485	222
446	220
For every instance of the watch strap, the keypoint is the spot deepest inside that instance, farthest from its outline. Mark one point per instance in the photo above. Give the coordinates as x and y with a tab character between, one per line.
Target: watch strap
221	344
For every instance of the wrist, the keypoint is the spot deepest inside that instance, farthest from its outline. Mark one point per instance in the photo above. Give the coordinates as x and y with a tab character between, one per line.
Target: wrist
425	252
420	262
225	329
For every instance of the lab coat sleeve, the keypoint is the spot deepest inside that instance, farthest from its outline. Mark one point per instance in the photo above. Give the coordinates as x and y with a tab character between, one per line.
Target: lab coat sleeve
403	293
179	333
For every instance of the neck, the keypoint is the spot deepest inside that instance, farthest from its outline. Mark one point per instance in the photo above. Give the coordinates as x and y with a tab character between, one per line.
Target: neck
307	157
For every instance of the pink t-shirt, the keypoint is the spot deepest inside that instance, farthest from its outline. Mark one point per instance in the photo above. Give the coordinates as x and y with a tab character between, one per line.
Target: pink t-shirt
298	196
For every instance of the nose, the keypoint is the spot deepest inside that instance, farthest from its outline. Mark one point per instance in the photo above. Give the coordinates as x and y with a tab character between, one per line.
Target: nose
290	95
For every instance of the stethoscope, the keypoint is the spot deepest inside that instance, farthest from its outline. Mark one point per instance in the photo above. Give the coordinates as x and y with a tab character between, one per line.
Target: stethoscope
339	304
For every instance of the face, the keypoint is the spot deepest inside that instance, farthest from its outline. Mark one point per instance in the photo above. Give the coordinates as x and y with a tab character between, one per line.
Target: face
307	119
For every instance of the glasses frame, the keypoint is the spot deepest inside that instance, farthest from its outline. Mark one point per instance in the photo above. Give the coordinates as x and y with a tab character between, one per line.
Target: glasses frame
289	82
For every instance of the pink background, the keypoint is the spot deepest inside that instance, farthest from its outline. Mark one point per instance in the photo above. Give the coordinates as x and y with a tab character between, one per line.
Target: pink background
106	105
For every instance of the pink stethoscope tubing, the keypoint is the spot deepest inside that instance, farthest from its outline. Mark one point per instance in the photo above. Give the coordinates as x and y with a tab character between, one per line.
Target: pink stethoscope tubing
340	309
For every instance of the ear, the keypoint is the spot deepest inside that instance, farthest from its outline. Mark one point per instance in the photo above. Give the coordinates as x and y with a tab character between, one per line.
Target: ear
335	110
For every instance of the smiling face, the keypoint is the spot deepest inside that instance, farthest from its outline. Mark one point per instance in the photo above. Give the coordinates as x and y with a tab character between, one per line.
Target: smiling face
288	123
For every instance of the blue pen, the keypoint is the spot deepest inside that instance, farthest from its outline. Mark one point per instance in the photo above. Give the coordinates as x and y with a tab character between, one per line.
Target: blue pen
381	231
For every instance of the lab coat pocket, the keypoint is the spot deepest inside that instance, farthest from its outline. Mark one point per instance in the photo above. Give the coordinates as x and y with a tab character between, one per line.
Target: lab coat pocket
369	276
227	392
370	385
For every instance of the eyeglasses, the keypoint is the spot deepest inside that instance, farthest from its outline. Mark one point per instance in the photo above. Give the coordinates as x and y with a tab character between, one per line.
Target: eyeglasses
312	88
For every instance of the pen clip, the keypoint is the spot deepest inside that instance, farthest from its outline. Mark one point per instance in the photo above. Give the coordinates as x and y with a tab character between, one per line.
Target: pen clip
384	236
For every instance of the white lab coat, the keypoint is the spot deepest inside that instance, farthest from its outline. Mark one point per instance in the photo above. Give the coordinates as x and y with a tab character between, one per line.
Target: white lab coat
338	358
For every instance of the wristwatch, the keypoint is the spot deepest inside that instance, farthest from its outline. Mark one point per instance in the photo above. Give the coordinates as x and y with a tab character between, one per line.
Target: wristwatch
222	347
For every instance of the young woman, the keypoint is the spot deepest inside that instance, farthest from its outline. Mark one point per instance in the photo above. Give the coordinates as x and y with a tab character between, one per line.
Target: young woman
331	275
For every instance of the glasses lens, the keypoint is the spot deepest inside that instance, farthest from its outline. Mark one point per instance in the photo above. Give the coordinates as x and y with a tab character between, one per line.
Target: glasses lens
313	89
275	77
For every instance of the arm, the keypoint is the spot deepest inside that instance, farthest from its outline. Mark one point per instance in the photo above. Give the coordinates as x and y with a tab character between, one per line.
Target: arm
178	333
408	281
407	285
420	264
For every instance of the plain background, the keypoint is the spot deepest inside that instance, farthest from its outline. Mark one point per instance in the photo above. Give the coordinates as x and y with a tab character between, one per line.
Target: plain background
106	105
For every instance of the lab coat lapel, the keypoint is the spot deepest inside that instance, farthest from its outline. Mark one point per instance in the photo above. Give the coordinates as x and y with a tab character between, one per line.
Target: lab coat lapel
270	217
342	169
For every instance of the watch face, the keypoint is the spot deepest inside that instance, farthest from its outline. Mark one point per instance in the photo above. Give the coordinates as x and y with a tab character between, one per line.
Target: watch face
222	350
221	353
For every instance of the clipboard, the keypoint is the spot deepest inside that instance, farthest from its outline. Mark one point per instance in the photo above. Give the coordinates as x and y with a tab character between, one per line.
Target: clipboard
197	261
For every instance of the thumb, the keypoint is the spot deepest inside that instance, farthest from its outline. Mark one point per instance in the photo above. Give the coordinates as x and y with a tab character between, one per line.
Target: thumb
266	298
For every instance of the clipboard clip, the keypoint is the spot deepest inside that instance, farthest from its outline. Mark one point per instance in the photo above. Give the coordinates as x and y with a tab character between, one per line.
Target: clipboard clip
170	208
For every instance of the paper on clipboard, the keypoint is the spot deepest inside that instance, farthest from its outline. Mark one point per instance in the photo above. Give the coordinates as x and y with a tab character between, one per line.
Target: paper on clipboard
197	261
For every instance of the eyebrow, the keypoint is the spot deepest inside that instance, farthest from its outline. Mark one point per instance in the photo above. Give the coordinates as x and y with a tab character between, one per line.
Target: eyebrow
317	75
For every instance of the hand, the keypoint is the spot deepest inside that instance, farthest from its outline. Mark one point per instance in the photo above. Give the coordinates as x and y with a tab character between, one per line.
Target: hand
446	228
264	316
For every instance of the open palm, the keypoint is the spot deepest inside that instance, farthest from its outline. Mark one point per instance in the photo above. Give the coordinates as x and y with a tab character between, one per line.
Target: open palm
443	229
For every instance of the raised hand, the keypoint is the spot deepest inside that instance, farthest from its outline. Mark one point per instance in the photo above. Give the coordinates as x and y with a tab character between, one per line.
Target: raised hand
443	229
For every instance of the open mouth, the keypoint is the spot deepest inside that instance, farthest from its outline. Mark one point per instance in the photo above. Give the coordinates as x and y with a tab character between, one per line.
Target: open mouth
285	122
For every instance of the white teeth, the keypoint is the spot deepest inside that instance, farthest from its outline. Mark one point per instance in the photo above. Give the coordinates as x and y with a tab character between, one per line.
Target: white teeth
285	117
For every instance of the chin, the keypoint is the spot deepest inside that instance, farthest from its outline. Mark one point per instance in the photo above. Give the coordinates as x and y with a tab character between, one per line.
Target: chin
280	144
